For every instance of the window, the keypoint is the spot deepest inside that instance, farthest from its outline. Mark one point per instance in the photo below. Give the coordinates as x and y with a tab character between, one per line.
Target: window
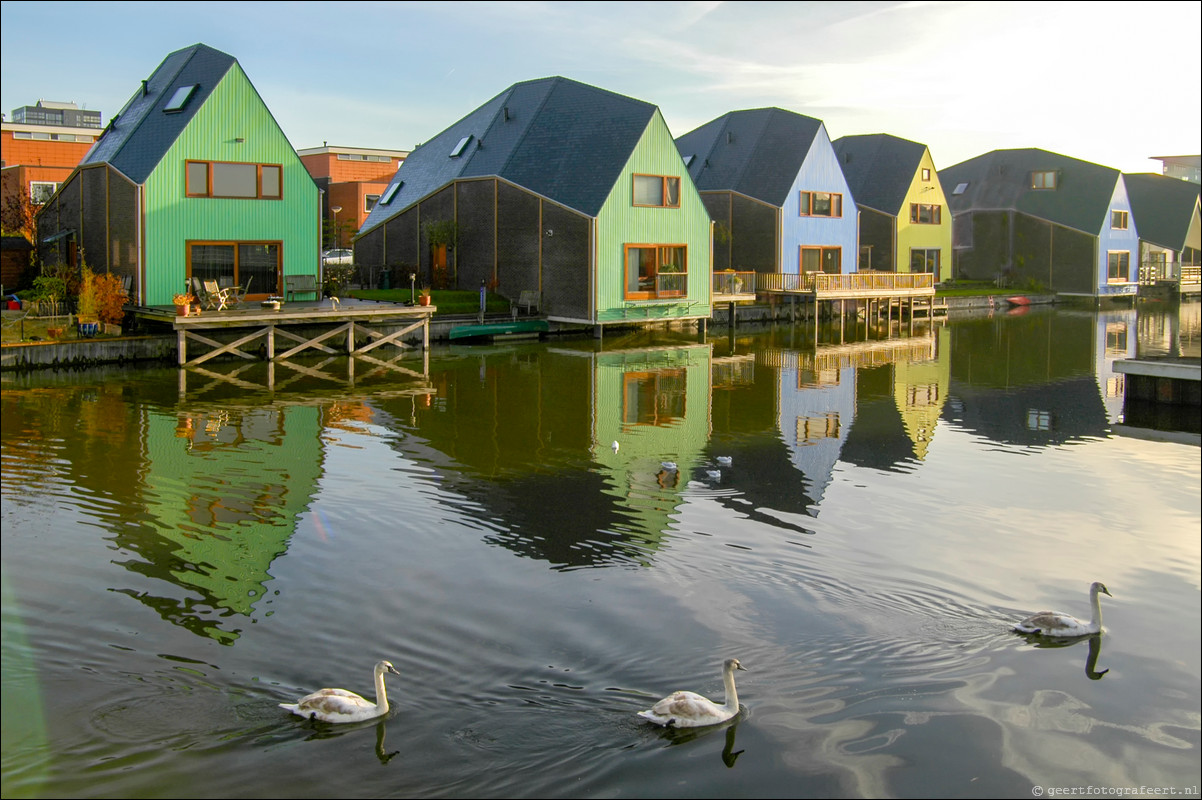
369	201
821	259
926	174
236	263
656	270
820	204
236	180
390	192
180	99
657	191
960	188
459	148
924	260
925	213
653	398
1118	220
40	192
1043	180
1118	266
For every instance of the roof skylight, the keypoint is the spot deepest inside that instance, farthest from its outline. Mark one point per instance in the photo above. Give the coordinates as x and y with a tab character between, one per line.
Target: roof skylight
181	97
392	190
459	148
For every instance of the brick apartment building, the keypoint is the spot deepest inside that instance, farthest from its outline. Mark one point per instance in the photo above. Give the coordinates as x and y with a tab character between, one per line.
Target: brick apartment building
352	180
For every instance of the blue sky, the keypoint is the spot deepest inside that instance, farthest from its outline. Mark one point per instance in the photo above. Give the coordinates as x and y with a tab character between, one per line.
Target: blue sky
1113	83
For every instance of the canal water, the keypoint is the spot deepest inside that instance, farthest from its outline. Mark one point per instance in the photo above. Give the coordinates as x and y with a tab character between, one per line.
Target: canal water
858	516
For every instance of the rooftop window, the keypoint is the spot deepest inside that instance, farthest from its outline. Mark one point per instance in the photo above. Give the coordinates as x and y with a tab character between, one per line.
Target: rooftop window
180	99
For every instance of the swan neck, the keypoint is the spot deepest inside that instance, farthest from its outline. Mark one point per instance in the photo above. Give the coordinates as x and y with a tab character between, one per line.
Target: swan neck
1096	601
732	696
381	696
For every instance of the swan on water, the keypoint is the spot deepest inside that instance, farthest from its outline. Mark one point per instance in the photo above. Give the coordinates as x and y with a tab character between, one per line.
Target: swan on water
725	460
1055	623
670	466
690	710
339	705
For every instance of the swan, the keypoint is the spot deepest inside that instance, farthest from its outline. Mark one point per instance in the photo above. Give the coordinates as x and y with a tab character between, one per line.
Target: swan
614	446
1054	623
725	461
689	710
670	466
339	705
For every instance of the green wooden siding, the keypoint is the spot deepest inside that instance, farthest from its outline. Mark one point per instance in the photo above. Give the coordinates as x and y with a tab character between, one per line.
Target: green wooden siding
620	223
232	111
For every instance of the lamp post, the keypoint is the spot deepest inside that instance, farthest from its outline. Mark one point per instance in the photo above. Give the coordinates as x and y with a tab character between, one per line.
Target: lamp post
334	210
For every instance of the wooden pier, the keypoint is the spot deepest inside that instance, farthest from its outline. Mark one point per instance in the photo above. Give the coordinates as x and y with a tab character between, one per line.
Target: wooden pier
304	325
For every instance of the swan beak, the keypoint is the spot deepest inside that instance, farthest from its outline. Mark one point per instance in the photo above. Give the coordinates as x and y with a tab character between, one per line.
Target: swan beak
392	669
1107	592
740	666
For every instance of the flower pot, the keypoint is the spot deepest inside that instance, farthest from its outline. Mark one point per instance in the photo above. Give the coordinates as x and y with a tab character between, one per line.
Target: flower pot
88	330
182	311
424	300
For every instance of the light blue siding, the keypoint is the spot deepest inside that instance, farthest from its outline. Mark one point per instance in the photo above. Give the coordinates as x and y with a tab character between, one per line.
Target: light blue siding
1111	240
820	172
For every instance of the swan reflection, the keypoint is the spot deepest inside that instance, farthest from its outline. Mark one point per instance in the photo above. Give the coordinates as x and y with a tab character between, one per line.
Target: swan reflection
1091	660
679	736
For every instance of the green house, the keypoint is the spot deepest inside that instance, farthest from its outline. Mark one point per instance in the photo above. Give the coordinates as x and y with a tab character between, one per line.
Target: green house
192	178
554	190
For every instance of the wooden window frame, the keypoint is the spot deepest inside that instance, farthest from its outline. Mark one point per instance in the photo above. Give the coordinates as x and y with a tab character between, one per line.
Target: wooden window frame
208	193
1124	259
656	295
926	173
1044	179
936	213
236	243
663	191
822	250
805	204
1121	216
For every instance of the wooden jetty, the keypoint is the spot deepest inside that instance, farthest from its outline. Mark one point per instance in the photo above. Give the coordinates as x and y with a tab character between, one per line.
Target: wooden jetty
304	325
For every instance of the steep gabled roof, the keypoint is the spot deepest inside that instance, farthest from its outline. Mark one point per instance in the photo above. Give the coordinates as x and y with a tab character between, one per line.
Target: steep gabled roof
879	168
757	152
1163	207
1001	181
556	137
138	137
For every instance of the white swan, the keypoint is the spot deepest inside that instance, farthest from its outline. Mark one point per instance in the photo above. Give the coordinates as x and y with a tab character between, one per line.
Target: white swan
339	705
725	461
669	466
689	710
1054	623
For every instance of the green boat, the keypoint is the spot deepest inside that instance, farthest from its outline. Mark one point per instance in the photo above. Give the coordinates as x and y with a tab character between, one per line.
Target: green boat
492	330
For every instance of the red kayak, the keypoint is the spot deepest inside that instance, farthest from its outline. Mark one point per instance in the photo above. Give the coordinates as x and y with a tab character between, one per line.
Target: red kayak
1019	300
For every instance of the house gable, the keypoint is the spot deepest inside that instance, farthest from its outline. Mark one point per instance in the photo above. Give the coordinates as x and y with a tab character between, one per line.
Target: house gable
925	194
819	172
621	224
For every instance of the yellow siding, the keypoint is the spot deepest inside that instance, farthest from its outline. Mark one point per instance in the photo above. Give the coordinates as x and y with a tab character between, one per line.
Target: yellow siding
910	235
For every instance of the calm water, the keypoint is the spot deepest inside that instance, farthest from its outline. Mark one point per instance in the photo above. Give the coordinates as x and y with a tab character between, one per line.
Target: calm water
182	553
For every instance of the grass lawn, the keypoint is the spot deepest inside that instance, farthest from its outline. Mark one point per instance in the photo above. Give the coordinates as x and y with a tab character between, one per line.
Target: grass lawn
448	301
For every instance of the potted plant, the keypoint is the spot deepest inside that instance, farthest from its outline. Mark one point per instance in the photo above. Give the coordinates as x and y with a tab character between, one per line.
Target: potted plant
424	297
183	303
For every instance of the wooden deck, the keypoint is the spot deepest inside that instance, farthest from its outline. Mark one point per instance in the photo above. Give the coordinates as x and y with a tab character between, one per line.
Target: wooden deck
347	318
852	286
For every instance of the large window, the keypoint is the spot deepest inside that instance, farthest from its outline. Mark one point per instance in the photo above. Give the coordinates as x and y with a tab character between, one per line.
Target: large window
237	180
40	192
658	191
925	260
820	204
1118	220
236	263
822	259
656	270
925	213
1118	266
1045	179
653	398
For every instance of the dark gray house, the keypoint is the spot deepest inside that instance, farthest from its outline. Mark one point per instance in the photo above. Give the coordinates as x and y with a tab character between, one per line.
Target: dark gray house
1032	218
1170	236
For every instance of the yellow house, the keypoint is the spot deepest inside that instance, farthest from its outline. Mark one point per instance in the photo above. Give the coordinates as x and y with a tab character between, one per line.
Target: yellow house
905	225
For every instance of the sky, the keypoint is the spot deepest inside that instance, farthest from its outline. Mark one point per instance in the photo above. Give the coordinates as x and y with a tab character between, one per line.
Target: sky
1113	83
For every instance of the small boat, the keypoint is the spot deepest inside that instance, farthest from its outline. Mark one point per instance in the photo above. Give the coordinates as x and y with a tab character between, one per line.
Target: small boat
1019	300
495	330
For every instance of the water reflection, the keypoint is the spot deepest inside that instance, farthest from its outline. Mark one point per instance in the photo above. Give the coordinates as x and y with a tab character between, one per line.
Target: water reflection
1091	660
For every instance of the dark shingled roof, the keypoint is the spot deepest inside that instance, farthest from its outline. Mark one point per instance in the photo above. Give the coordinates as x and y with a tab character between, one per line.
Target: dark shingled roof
879	169
138	137
757	152
1001	181
556	137
1163	207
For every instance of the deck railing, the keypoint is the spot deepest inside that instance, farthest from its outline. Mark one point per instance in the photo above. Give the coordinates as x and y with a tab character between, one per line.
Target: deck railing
856	282
732	282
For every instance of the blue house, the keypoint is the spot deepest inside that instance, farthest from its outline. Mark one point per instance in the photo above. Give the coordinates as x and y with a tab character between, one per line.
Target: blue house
772	184
1033	218
556	190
